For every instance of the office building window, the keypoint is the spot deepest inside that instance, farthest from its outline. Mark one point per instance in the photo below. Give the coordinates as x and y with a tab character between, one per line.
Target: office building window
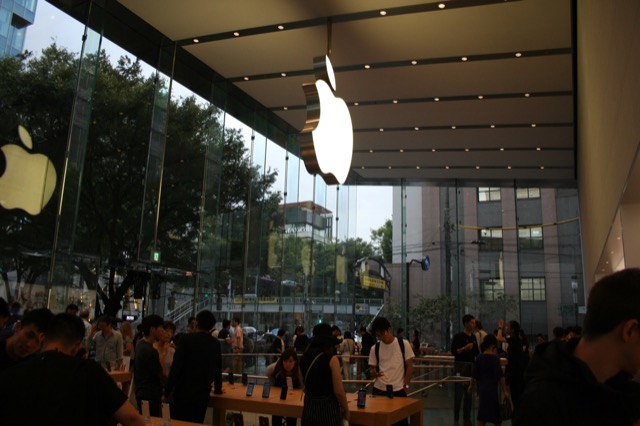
530	238
524	193
488	194
533	289
490	239
491	289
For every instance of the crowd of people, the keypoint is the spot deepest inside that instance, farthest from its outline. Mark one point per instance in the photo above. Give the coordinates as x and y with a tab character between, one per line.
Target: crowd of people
582	376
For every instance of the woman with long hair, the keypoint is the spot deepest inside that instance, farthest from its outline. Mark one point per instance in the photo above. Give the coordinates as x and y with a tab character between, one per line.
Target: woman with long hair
286	369
347	349
127	339
325	401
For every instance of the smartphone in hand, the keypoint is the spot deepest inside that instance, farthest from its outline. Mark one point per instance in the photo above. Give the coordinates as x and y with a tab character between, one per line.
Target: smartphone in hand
390	391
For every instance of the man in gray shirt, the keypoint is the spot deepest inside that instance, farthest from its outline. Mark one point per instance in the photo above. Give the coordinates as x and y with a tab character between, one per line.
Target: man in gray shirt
108	345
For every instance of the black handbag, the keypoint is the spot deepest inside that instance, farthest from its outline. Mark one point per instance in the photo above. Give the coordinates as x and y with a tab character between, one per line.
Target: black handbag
506	409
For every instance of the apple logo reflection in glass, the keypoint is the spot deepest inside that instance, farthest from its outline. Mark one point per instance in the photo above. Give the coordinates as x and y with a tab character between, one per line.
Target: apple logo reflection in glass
28	180
326	141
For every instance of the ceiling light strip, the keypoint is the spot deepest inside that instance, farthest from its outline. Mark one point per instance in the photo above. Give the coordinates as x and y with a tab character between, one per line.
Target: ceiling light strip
347	17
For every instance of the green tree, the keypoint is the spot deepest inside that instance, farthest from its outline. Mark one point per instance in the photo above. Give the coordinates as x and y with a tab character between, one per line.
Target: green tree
38	92
435	315
382	240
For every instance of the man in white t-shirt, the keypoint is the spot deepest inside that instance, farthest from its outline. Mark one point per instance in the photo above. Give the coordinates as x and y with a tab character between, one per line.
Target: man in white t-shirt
387	363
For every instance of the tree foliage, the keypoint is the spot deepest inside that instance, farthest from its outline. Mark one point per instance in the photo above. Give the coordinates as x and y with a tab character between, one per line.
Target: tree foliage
38	93
382	241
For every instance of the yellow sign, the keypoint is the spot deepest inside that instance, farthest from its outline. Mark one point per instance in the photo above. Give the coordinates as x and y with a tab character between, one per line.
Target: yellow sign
266	299
372	282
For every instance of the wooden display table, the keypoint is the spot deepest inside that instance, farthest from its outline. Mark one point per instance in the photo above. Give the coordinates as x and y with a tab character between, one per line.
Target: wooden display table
380	410
157	421
123	377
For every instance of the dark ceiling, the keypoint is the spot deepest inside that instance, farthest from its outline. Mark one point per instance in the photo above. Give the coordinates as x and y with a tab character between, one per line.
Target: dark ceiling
475	91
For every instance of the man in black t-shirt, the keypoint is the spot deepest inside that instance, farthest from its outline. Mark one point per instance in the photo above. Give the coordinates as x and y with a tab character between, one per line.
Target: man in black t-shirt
464	348
56	387
196	364
147	367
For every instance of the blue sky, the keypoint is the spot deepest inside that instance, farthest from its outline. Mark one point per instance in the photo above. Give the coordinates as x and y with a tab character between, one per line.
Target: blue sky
374	204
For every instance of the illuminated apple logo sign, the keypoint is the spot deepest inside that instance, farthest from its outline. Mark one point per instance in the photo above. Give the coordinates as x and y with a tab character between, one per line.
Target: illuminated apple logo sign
28	180
326	142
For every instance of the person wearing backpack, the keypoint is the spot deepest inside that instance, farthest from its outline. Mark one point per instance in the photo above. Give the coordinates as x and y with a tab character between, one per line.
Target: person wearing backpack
391	361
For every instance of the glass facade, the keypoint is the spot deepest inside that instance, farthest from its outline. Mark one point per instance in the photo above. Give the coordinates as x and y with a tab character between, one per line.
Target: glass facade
167	201
15	17
513	258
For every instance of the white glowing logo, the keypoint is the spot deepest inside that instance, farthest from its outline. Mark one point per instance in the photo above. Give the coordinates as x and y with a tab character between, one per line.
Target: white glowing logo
29	180
327	138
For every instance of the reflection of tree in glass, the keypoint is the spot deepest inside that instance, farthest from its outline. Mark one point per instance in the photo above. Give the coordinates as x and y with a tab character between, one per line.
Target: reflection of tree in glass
38	93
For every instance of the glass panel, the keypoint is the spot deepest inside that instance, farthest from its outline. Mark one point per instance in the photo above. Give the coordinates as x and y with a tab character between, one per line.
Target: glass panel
70	218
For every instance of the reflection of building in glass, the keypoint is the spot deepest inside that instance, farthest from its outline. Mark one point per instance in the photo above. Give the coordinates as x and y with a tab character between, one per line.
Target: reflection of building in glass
308	220
507	253
15	17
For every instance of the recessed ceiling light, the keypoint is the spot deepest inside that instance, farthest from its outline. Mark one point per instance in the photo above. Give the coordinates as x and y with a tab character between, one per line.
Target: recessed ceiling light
436	99
395	101
417	167
416	128
283	74
286	108
526	95
501	149
402	150
533	125
541	167
480	97
389	167
433	150
362	167
367	67
493	126
383	13
477	167
453	127
518	54
370	150
446	167
381	129
195	40
414	62
538	149
464	59
237	34
442	5
281	27
509	167
246	78
356	103
466	150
